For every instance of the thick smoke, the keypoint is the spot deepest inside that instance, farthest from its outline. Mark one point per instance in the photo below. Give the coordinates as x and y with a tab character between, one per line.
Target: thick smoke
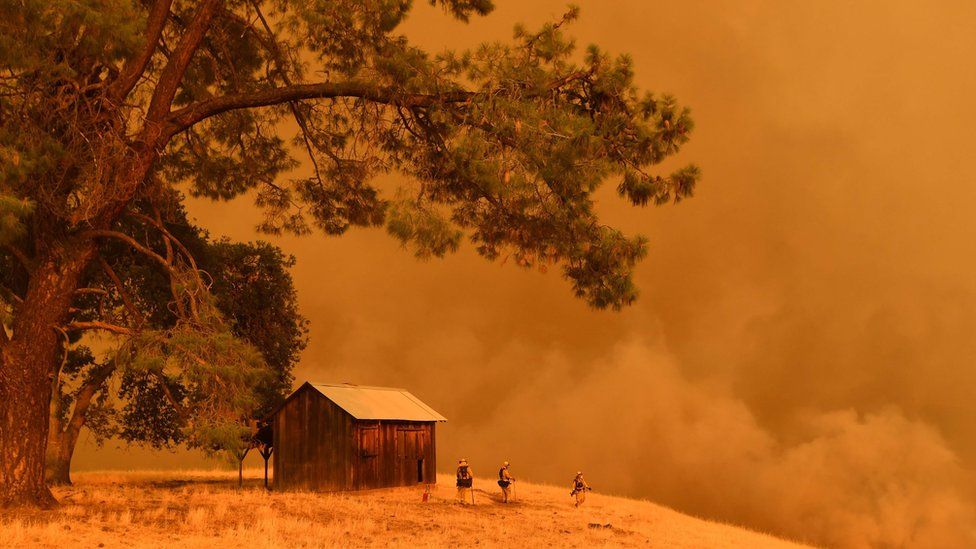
801	360
641	428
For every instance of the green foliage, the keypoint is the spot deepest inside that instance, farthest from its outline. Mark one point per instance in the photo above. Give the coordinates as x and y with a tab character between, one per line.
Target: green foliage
56	55
33	31
13	213
431	234
232	156
464	9
641	188
216	371
147	416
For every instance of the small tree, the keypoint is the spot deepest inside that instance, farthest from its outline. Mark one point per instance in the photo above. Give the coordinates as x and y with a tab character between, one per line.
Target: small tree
259	436
109	105
264	441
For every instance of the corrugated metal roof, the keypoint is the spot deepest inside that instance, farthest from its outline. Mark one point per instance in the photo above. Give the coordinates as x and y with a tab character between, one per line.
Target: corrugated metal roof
377	402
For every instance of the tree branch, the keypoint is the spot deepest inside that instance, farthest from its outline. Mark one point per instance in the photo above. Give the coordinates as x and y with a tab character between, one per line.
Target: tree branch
172	75
169	240
269	42
126	299
177	405
96	233
98	325
133	68
184	118
98	291
158	223
271	45
83	400
174	274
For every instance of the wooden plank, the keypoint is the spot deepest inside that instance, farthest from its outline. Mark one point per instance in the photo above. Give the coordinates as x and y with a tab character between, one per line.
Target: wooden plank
304	450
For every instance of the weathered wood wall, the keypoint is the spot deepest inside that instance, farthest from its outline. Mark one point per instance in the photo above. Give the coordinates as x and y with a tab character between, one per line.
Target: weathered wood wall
313	441
394	453
320	447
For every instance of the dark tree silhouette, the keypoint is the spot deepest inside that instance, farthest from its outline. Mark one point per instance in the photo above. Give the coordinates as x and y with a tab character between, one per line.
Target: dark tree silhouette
252	289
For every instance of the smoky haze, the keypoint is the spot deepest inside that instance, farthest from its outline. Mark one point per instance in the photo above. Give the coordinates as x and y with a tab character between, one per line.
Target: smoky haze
801	358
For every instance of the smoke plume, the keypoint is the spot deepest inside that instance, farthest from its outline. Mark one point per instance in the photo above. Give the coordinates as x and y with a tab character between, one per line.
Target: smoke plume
801	359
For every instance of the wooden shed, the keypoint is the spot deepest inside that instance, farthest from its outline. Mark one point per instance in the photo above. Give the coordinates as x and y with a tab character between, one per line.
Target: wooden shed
332	437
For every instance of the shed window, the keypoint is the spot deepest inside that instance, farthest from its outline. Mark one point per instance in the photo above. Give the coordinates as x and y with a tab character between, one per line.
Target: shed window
369	441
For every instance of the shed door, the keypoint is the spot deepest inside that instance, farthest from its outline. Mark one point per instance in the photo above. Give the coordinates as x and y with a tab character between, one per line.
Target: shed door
411	444
366	472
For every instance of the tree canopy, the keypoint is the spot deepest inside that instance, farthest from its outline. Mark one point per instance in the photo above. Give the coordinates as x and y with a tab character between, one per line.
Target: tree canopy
505	143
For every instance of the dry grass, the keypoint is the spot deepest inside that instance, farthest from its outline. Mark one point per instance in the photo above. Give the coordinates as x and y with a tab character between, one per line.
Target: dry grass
205	509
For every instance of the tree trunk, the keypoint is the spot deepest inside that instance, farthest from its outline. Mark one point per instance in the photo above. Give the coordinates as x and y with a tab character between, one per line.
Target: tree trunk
58	470
26	373
240	466
266	452
63	438
29	357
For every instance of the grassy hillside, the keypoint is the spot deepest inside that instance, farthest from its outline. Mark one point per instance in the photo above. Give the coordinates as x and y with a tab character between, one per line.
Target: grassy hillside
205	509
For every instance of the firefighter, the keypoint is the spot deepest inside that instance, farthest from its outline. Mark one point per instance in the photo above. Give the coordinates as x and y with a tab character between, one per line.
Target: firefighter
580	488
465	480
505	480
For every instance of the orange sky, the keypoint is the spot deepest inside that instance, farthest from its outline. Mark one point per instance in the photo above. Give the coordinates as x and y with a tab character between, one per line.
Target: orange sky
801	358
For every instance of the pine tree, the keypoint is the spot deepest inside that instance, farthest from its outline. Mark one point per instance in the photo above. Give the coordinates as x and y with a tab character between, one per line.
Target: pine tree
107	105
